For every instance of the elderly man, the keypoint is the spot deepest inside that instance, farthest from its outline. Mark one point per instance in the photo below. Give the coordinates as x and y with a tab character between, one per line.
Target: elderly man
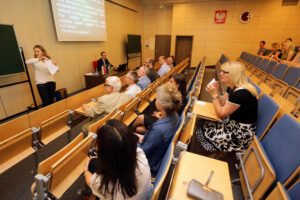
153	75
130	79
164	68
106	103
144	80
170	62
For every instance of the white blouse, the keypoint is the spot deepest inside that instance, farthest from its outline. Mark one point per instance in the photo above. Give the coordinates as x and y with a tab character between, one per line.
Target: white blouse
41	71
133	90
143	176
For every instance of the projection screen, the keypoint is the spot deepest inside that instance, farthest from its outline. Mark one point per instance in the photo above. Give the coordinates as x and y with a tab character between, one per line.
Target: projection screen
79	20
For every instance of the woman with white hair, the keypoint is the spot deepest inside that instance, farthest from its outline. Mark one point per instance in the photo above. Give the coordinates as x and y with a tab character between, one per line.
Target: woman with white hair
156	140
237	108
106	103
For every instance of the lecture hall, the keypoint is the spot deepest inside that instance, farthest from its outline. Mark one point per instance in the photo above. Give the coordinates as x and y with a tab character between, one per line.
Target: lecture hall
149	99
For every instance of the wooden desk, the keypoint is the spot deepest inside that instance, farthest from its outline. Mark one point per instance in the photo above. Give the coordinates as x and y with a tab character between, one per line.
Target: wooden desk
94	80
205	110
193	166
80	111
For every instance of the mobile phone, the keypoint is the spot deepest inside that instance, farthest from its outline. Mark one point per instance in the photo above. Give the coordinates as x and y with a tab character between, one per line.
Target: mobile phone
199	191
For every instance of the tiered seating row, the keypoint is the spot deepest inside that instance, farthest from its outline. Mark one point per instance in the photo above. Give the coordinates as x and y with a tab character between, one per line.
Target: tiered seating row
278	80
70	164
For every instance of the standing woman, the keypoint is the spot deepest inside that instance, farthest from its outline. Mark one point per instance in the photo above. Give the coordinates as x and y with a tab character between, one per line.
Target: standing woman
44	79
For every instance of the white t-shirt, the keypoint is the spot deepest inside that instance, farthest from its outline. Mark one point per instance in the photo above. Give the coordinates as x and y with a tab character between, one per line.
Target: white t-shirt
143	176
41	71
133	90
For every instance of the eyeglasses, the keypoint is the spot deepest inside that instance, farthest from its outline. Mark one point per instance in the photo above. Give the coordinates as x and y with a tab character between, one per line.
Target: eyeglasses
224	72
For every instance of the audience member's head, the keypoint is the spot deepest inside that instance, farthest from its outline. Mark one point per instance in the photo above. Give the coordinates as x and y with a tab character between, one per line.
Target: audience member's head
143	71
162	60
103	55
262	44
112	84
40	51
149	63
233	74
289	39
117	159
168	99
179	81
275	47
131	78
169	60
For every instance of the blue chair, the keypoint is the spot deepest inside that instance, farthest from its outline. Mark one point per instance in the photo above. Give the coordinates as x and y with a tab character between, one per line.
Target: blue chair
257	89
282	147
270	67
279	70
294	192
162	173
291	76
276	154
298	85
267	112
264	64
247	57
258	61
253	59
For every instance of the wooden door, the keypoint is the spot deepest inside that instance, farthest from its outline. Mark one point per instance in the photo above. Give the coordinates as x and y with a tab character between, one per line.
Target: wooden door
162	45
183	49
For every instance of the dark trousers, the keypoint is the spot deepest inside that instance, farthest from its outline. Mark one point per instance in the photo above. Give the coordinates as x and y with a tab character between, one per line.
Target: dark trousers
47	92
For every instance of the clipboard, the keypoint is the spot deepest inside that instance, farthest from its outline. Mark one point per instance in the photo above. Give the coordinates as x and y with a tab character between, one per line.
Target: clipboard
205	110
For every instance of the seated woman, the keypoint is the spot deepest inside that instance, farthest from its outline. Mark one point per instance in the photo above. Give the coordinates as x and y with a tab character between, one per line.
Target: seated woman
296	61
237	108
276	51
121	171
142	122
288	51
159	135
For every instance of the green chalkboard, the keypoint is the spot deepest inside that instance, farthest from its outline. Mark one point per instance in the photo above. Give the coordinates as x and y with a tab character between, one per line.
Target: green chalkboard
133	44
10	56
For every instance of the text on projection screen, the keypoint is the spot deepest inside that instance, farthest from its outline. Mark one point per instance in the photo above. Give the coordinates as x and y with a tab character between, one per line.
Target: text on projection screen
79	20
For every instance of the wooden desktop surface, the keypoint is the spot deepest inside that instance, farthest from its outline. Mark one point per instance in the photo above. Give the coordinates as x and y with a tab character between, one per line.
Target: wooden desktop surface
80	111
194	166
93	80
205	110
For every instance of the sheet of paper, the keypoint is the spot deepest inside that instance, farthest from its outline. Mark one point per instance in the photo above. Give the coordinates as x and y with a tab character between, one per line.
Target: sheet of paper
51	67
201	103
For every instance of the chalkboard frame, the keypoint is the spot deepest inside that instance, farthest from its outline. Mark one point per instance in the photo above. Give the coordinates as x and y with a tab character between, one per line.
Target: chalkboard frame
19	50
140	44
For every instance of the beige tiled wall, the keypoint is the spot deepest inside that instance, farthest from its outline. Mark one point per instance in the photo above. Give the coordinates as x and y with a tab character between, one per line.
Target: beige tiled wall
157	21
34	25
270	22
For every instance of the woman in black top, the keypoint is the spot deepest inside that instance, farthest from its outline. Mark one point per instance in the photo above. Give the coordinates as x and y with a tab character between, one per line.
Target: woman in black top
237	108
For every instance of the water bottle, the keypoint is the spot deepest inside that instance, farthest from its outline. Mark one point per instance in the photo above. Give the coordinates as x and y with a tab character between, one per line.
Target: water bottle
97	71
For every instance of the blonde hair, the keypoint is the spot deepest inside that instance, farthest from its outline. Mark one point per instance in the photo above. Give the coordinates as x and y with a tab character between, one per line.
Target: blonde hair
238	77
43	50
169	98
276	46
287	49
